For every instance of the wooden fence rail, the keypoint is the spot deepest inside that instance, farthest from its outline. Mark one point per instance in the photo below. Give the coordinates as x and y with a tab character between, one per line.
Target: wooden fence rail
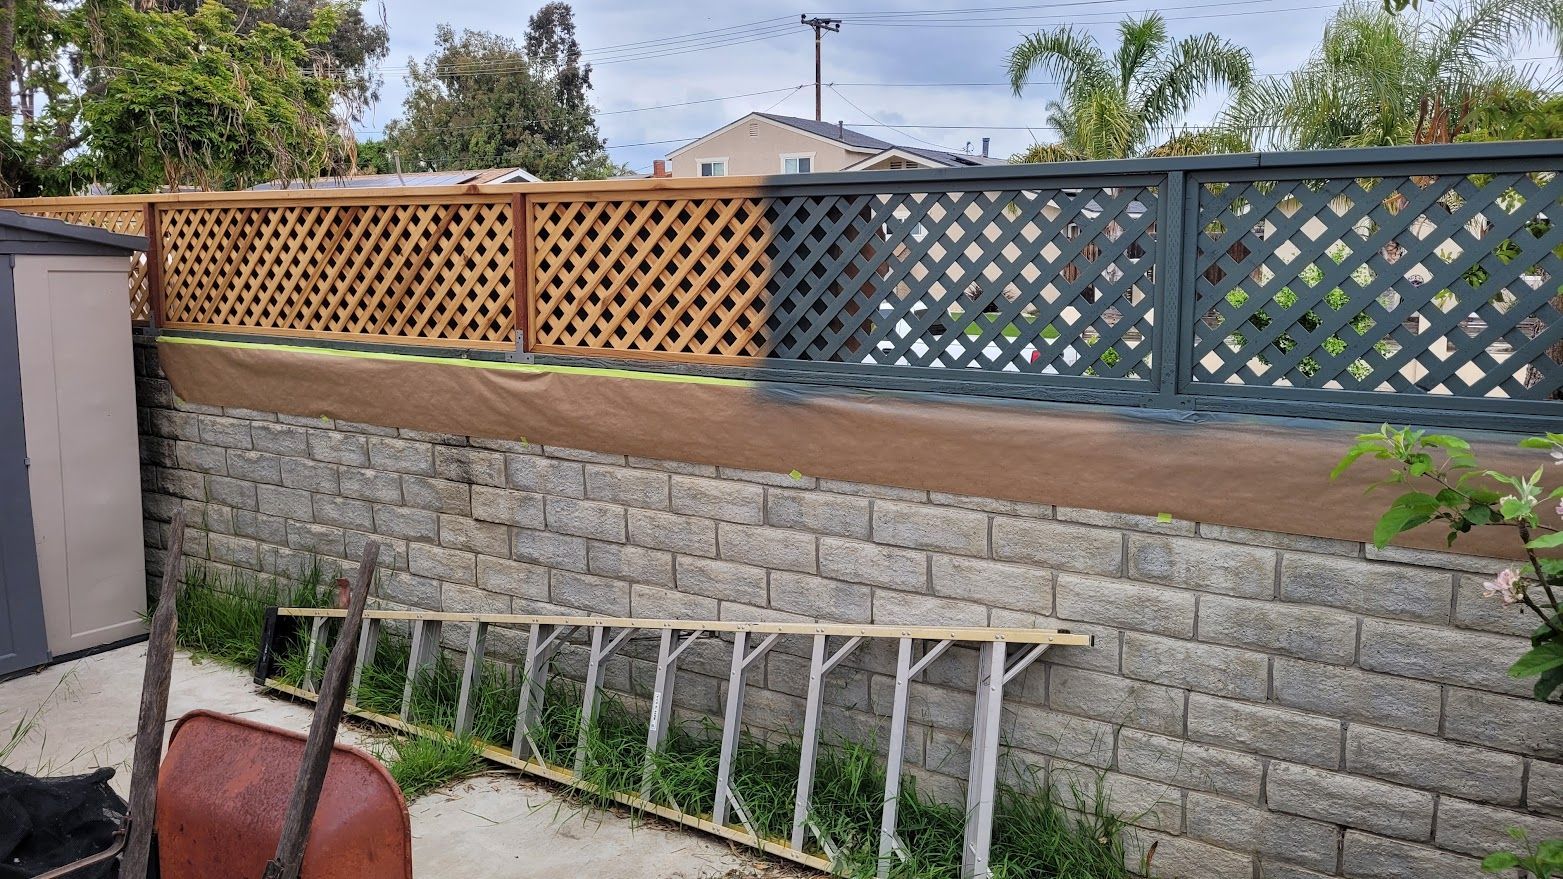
1417	281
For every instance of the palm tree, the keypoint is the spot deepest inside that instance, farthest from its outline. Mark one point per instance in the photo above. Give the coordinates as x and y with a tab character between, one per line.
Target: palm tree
1117	107
1378	79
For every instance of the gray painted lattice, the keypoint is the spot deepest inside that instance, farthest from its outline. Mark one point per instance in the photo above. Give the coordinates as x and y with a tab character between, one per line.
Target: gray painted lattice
1039	281
1440	284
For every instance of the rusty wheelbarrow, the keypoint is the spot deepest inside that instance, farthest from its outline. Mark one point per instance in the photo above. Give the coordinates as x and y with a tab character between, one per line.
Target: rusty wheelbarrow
242	800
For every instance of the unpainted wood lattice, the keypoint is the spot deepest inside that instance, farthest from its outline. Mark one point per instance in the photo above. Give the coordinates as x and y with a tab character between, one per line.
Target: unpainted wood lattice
1443	285
1032	281
437	272
126	221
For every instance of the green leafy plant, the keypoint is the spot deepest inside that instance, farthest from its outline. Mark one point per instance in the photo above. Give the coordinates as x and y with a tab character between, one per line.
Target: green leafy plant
1543	861
1463	496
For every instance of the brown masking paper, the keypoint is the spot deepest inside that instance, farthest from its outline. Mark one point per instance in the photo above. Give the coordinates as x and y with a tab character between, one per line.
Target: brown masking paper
1264	474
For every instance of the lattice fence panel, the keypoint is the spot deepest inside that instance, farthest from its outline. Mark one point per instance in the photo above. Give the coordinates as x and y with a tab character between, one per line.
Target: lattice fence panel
126	221
1446	285
1050	281
435	272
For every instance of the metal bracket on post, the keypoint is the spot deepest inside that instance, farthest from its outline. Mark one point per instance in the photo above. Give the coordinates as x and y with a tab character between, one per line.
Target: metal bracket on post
425	651
541	645
602	647
520	354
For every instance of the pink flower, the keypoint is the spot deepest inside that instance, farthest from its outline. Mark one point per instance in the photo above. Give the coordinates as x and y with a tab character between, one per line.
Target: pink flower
1507	586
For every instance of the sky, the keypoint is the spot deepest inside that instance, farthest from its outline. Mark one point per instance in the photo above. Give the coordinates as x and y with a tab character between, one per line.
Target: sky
906	71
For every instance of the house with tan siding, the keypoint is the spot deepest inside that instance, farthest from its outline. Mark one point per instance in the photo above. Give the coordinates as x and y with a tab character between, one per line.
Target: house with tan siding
765	143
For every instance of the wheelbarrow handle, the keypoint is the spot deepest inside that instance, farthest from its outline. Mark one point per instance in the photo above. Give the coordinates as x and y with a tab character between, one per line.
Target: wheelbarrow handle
107	854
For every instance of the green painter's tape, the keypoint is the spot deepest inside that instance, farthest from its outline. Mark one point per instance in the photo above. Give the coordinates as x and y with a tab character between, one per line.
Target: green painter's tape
471	364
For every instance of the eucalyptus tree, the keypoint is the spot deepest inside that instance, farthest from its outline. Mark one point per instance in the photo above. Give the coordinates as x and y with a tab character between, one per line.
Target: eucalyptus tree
1426	75
1120	105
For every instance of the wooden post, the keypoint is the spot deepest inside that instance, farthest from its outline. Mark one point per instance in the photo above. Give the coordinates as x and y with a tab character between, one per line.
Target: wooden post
322	730
521	255
154	710
149	225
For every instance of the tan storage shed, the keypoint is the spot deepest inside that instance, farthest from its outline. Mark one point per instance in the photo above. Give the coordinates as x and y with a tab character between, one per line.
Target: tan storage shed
71	558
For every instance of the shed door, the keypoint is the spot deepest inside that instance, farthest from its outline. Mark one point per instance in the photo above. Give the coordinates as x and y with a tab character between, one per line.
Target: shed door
22	641
78	381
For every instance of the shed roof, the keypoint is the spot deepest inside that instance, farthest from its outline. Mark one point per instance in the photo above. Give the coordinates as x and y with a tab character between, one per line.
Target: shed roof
23	233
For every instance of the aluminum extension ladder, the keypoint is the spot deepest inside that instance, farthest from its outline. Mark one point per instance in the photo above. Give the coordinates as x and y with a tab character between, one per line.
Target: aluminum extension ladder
1003	654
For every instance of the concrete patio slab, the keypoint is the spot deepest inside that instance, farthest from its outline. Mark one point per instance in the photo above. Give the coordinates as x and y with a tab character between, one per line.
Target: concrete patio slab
493	826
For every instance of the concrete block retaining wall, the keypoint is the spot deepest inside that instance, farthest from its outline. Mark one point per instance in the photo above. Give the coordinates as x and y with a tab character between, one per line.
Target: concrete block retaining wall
1269	706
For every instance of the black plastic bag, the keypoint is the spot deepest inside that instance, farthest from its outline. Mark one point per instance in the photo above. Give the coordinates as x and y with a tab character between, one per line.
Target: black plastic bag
50	822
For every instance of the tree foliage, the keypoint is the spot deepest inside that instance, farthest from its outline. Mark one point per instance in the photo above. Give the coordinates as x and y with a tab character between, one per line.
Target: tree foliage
143	99
1378	79
480	100
1114	107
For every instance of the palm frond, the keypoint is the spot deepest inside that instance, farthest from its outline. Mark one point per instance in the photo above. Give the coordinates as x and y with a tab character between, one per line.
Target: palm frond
1071	56
1141	40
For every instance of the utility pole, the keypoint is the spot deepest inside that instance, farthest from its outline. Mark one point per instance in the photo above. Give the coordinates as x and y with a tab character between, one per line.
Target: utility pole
820	25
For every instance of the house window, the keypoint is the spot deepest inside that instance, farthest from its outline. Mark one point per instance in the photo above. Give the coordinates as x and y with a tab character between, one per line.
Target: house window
713	167
802	163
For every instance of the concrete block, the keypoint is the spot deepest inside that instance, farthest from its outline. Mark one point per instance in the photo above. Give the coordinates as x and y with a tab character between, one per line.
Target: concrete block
469	465
1375	588
339	448
924	526
586	519
1017	587
201	458
1437	653
406	523
1117	700
440	563
1509	723
343	512
1433	764
830	600
437	495
1350	694
1223	671
289	503
992	505
487	538
230	433
307	475
370	485
401	456
1203	564
323	540
681	534
1374	857
627	486
255	466
546	475
636	564
516	579
875	565
1363	803
1127	605
1246	828
1262	729
652	602
549	549
522	509
1124	521
725	499
1061	546
896	608
598	595
822	513
721	580
1296	630
766	547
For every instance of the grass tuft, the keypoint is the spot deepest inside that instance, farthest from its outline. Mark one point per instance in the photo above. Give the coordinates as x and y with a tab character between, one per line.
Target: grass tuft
221	614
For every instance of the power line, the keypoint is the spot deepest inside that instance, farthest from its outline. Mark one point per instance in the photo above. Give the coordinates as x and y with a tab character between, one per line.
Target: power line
609	112
883	125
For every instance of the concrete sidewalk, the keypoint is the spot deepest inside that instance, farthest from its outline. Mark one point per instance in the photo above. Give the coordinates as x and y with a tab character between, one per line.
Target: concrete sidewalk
493	826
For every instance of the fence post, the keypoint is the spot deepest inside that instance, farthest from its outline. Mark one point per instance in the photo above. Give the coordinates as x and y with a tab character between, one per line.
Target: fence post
149	225
1170	305
521	254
